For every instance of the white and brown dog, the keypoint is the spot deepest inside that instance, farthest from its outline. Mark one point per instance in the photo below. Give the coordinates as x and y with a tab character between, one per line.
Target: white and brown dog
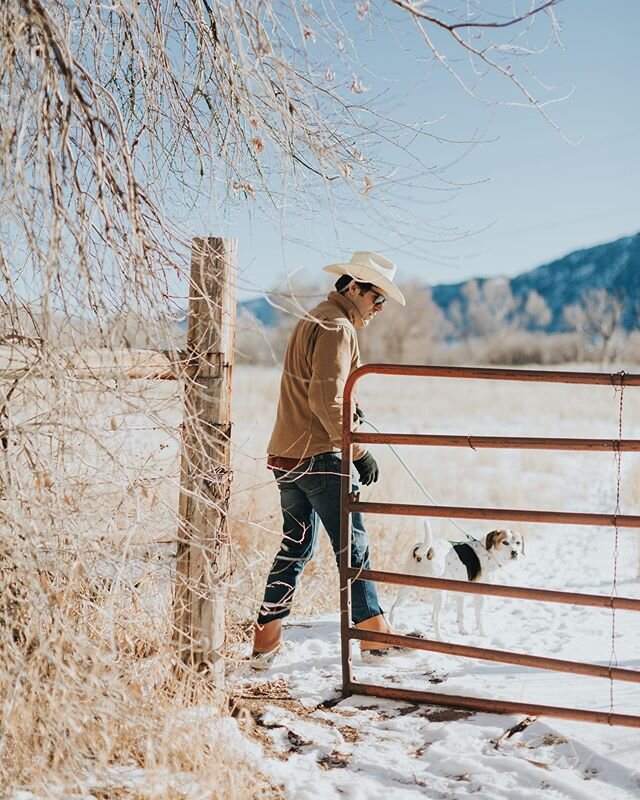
461	561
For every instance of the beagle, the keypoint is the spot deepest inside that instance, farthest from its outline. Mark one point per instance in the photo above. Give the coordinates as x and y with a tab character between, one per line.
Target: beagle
459	561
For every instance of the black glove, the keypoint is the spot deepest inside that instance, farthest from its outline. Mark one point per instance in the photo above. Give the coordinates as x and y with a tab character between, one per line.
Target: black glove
359	415
367	469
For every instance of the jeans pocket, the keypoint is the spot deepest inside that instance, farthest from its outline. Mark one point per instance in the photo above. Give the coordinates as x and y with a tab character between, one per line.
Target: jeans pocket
335	470
309	476
314	480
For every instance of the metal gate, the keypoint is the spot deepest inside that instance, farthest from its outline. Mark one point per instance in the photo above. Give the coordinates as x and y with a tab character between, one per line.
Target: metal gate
350	504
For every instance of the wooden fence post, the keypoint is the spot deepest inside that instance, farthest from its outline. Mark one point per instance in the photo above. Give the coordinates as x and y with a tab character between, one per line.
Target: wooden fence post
202	557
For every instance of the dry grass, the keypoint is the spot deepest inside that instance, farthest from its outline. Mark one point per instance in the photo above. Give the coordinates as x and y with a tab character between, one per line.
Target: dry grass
94	700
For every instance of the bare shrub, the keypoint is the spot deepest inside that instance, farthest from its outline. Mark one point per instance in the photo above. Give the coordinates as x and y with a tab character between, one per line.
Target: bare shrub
483	309
88	678
524	347
597	318
534	312
407	333
254	343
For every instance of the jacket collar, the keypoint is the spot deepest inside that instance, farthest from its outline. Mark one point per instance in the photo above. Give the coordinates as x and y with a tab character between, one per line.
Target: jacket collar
349	308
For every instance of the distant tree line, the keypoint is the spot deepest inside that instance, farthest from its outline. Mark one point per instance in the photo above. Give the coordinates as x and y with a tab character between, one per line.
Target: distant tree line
486	325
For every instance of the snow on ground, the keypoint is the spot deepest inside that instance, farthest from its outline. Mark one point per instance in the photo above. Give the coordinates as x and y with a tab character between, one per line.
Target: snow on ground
317	745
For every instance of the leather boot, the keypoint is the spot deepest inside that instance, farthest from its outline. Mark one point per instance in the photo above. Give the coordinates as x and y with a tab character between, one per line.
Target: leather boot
267	639
379	625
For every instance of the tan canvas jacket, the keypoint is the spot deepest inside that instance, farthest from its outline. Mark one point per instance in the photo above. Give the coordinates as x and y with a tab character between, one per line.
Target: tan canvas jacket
321	354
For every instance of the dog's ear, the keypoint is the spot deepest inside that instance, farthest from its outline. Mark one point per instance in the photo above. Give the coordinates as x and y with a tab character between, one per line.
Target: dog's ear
490	541
522	540
416	557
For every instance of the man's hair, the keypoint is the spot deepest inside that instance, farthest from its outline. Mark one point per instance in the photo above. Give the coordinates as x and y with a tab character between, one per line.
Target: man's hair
344	280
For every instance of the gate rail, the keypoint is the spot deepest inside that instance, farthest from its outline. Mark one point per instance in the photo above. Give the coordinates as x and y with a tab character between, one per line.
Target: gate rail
350	504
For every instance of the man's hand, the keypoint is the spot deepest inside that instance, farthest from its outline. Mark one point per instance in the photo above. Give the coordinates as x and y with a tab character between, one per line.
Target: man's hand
367	469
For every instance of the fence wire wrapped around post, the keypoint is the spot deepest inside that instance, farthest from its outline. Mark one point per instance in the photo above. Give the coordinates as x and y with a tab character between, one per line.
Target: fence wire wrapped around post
202	557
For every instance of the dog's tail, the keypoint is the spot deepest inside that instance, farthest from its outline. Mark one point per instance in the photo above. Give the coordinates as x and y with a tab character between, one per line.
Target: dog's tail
428	538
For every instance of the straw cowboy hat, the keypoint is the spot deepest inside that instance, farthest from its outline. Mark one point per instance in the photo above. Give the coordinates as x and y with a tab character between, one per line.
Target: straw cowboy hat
372	268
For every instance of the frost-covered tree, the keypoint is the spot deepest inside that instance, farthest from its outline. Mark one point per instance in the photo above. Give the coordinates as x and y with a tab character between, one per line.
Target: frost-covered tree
484	309
408	333
535	312
119	118
597	317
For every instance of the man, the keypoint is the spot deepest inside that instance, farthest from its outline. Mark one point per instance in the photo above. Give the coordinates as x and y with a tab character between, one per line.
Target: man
304	450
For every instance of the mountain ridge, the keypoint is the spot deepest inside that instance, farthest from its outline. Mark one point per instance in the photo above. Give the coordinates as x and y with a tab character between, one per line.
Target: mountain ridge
613	266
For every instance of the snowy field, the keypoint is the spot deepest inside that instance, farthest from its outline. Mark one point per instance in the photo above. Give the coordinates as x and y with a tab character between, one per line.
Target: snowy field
315	744
119	502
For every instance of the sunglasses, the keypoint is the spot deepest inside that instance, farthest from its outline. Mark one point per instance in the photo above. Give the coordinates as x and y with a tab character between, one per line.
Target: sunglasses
378	298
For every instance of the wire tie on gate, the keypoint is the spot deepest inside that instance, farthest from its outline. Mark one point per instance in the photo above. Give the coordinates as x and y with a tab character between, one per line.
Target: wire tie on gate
622	373
475	449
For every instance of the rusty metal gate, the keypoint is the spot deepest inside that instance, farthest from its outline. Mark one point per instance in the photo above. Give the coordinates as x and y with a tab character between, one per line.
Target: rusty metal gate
348	573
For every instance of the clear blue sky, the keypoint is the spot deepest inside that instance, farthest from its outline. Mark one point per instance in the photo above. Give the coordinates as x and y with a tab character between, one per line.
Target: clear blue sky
526	196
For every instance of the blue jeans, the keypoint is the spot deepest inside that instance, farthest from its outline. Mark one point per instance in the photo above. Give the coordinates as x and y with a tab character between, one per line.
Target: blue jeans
310	494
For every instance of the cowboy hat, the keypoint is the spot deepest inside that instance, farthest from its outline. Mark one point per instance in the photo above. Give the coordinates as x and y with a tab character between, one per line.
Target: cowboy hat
372	268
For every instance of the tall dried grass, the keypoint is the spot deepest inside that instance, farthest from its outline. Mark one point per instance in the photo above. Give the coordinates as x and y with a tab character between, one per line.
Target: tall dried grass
94	701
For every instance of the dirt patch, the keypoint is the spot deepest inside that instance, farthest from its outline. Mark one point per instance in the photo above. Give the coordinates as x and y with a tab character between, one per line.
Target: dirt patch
442	714
550	739
250	699
333	760
270	690
384	713
350	734
248	705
